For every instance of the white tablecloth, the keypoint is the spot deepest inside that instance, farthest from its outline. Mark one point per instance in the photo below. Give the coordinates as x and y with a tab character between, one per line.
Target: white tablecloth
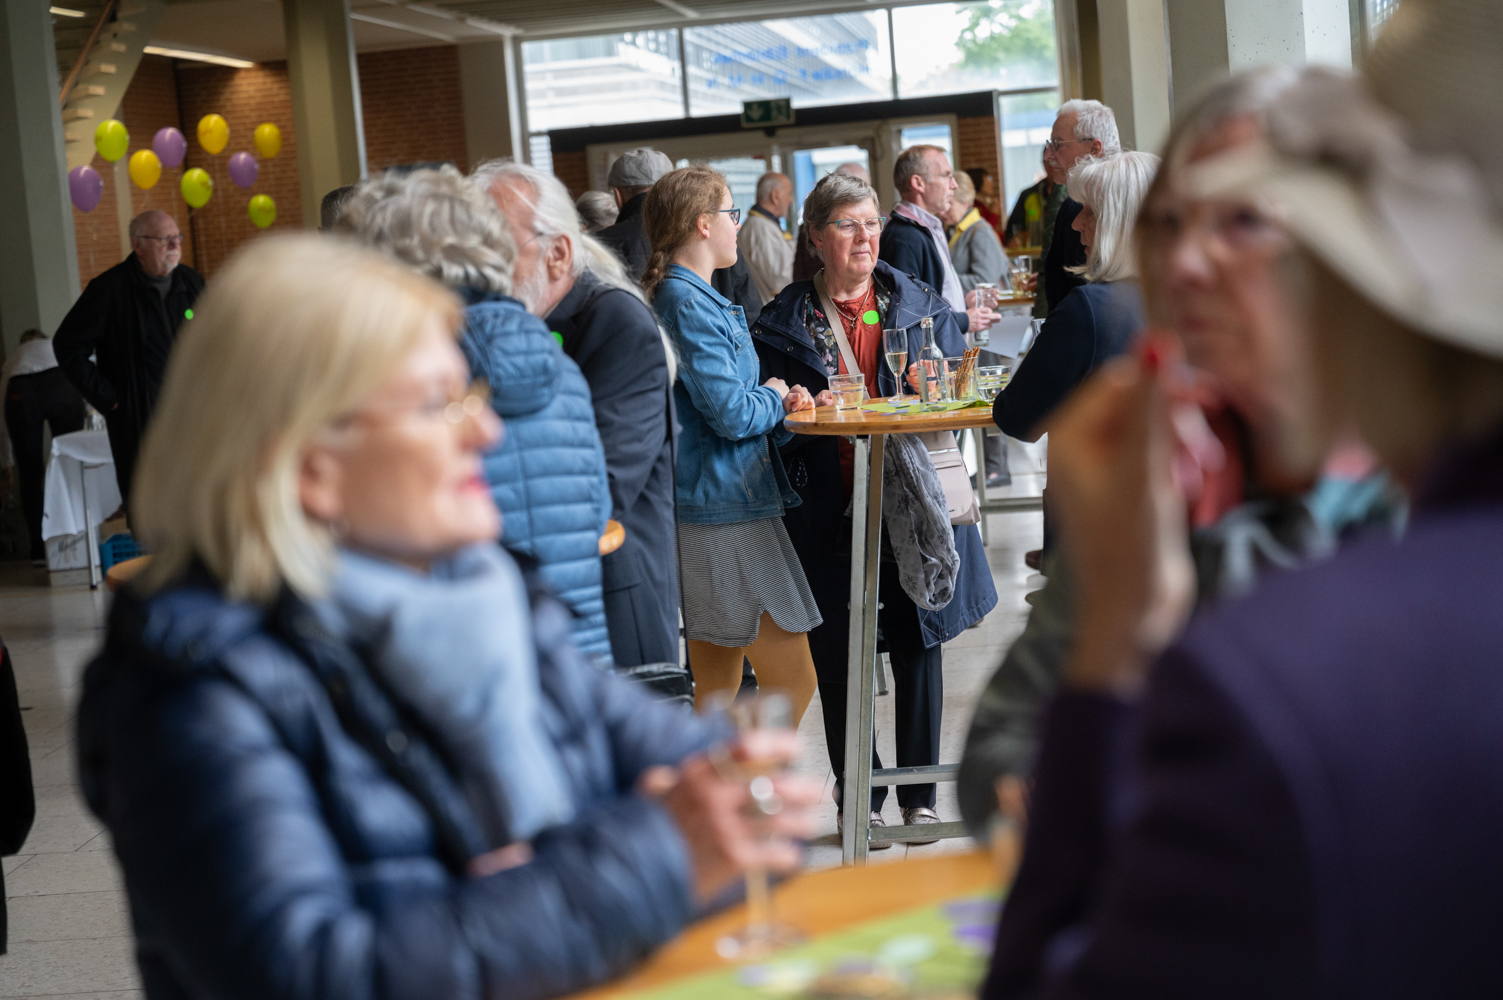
63	510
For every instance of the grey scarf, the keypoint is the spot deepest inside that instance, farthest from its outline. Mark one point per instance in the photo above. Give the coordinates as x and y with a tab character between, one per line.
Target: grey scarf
918	523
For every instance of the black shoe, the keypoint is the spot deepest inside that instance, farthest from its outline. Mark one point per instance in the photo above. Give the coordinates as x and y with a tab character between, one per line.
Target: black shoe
1034	560
996	479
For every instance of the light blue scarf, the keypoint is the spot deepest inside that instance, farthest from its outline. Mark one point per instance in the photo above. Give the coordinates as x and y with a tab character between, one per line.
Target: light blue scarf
456	645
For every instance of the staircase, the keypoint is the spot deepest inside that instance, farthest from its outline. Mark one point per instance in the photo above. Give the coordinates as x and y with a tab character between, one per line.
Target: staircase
97	55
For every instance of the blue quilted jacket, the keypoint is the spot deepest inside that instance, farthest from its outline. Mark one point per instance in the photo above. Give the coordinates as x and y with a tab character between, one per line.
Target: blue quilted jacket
548	474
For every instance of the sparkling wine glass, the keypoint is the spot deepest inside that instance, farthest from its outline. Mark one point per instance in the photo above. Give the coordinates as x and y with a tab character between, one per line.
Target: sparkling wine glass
765	710
895	344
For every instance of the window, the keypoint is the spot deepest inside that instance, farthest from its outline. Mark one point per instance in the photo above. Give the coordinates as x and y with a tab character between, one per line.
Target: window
602	80
811	165
741	174
1378	12
955	48
540	151
1026	120
834	59
928	135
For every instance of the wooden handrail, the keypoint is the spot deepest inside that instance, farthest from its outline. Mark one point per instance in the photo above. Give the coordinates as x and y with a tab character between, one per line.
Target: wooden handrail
78	64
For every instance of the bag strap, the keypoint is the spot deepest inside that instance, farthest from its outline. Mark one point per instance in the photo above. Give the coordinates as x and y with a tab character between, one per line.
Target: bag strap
836	325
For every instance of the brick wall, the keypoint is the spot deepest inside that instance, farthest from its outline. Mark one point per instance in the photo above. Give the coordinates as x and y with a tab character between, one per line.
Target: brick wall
976	145
573	168
412	109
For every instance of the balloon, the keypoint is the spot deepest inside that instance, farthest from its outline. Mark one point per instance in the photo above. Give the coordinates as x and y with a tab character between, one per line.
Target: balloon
170	146
145	169
268	140
213	134
111	140
197	186
85	187
243	169
262	210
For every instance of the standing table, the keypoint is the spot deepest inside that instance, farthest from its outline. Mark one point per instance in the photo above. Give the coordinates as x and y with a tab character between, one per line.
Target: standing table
81	491
869	428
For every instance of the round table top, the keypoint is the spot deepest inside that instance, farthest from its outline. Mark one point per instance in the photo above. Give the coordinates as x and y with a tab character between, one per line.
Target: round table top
817	903
827	420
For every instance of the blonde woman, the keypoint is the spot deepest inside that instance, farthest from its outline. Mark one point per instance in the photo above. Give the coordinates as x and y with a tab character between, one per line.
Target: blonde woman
744	593
259	732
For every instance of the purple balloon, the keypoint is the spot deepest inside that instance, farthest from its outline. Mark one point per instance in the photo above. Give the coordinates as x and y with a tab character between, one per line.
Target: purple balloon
243	169
85	187
170	147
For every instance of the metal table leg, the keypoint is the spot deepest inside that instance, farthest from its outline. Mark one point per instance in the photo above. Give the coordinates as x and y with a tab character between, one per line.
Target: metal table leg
860	704
91	534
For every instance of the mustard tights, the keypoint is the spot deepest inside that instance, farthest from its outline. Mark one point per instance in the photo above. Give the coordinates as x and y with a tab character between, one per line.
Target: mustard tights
781	661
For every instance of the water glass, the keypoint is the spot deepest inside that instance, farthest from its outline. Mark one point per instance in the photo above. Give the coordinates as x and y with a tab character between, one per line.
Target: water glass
960	381
988	295
1022	267
991	380
849	391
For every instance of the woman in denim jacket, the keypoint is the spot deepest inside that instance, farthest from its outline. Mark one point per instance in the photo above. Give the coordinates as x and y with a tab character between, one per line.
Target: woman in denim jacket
744	593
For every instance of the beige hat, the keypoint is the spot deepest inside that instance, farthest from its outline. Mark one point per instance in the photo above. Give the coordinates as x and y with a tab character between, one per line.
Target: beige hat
1394	178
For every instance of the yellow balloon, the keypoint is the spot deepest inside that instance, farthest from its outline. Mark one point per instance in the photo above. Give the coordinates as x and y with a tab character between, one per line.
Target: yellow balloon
111	140
197	186
268	140
145	169
213	134
262	210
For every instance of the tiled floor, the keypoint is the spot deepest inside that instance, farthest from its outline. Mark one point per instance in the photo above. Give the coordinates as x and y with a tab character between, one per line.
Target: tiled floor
69	930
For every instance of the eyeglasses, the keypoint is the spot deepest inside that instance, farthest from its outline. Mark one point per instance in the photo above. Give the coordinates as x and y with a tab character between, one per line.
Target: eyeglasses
1055	144
734	213
450	409
847	227
171	241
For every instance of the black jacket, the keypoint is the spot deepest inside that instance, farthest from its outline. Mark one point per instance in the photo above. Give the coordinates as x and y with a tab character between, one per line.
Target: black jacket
614	339
17	798
628	238
1065	250
1092	325
910	248
123	321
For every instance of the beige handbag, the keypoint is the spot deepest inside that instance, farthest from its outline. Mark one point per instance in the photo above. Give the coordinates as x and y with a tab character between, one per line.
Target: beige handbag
943	449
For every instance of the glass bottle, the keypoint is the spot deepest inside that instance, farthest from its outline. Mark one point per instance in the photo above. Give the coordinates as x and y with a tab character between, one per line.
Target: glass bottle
931	362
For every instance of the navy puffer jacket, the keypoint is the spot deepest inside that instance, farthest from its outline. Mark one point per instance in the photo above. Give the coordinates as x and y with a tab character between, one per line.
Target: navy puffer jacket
286	829
548	474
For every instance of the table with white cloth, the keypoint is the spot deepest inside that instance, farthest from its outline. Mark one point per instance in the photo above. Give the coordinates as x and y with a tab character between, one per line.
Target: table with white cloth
81	491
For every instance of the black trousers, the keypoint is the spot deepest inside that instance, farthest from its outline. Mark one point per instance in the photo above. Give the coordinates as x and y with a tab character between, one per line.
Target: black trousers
30	401
917	687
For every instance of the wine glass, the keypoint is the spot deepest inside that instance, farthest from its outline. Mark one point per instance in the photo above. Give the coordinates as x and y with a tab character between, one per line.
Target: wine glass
895	344
765	710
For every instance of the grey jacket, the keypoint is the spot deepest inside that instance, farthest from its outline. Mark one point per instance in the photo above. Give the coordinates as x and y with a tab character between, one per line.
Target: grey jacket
918	523
978	256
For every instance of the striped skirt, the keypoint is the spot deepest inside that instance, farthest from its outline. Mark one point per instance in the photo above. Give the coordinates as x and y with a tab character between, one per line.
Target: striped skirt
733	572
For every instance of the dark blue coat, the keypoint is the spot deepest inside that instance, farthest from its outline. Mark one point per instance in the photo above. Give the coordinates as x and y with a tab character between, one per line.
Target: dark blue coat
1093	324
813	463
1314	801
909	248
613	337
287	830
548	473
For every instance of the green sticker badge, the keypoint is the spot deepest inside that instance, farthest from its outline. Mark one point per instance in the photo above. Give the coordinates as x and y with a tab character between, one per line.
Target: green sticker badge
188	314
558	337
870	317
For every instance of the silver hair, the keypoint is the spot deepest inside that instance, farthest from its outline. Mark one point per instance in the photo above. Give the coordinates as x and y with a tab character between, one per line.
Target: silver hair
438	222
768	183
1094	120
1113	187
834	191
554	218
597	209
139	223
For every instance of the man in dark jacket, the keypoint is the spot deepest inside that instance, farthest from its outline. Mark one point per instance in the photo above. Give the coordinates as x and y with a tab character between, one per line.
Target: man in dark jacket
1082	129
128	318
915	242
631	177
575	284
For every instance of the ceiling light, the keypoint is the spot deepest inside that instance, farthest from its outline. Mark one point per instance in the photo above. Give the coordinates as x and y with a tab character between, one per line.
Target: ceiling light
65	12
157	50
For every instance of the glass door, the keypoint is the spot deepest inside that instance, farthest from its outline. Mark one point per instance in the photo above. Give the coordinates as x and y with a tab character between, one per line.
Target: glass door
813	163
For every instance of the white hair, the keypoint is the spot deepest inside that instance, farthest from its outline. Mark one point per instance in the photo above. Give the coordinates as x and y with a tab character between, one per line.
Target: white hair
1094	120
555	218
1113	187
768	183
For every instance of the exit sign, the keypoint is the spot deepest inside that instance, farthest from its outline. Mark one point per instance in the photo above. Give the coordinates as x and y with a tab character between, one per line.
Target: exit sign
768	113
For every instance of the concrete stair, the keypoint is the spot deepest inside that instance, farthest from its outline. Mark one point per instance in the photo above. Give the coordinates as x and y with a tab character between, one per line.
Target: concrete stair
107	65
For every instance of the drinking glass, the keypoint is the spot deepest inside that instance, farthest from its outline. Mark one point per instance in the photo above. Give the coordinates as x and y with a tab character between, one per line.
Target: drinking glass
895	345
849	391
765	710
1022	267
991	380
960	383
988	295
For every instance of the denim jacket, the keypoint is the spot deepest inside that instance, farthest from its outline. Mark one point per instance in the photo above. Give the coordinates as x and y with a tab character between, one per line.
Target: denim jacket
727	469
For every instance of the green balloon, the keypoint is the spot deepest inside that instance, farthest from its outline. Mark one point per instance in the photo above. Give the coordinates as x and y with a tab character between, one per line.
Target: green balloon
262	210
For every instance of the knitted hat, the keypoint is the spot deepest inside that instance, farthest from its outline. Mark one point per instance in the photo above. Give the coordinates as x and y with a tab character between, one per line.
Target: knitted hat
1394	178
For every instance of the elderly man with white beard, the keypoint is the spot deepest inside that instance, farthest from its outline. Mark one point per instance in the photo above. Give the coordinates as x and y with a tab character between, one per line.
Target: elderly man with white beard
580	289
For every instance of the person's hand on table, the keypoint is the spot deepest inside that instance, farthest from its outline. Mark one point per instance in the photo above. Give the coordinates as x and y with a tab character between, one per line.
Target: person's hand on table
778	386
798	398
825	398
725	830
1112	479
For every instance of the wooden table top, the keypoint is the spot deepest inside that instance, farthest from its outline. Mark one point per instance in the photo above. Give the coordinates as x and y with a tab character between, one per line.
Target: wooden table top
829	421
817	903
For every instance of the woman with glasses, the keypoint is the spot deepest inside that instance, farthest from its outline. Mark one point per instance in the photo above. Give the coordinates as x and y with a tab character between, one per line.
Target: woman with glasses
298	803
548	474
743	592
800	341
